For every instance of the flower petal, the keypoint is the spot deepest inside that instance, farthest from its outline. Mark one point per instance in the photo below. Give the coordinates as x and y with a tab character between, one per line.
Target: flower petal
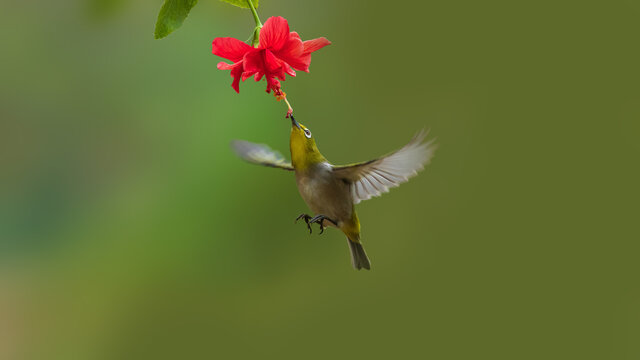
292	48
273	84
295	34
293	54
236	73
230	48
271	62
299	63
253	62
315	44
224	66
246	75
289	70
274	33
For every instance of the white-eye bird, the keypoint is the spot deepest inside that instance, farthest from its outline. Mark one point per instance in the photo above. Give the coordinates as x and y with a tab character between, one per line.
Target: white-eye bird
331	191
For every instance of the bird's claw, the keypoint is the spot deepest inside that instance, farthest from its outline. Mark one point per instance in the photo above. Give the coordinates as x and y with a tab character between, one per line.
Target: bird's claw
318	219
306	220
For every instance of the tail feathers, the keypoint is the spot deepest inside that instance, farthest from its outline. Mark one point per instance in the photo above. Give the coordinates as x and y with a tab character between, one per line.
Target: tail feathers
359	257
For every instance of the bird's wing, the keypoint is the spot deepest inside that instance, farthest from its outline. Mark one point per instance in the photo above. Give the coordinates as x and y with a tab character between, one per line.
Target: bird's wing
375	177
260	154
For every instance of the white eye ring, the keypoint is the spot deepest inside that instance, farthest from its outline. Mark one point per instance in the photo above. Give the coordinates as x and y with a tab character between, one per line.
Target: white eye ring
307	133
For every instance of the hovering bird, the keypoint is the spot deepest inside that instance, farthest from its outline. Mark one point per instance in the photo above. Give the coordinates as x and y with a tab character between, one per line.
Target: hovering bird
331	191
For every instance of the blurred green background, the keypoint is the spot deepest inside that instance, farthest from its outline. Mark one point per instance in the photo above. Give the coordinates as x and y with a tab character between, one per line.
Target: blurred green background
129	230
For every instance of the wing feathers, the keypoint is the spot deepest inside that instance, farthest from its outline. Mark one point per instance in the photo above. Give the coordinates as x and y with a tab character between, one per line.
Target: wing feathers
259	154
375	177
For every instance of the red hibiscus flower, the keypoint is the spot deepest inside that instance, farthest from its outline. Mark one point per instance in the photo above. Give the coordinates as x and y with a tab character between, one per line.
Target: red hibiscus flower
279	52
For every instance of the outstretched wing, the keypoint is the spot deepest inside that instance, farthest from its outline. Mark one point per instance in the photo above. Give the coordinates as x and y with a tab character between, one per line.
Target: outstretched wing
375	177
260	154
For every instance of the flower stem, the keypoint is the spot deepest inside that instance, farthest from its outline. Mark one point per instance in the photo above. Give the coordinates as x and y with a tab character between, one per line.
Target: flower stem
255	13
256	32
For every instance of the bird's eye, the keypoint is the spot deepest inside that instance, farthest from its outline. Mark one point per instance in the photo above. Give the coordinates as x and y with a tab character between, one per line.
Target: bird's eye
307	133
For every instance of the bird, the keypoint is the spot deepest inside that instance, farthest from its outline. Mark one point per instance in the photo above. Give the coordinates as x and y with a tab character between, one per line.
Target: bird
332	191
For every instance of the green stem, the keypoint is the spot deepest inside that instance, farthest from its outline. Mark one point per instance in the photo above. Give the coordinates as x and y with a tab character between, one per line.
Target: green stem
255	14
255	40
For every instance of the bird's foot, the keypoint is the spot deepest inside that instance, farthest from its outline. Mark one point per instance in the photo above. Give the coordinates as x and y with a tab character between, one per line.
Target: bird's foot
306	218
319	219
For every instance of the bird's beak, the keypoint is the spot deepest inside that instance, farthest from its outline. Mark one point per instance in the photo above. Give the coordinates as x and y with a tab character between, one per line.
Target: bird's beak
294	122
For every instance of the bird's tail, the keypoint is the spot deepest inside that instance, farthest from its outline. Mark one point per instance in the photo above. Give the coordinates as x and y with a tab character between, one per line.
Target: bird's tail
359	257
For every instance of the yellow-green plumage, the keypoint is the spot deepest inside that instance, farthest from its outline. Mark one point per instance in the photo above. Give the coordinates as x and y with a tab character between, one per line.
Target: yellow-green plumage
333	191
304	152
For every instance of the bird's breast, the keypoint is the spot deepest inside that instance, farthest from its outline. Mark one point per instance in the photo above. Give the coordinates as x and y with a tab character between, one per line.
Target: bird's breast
324	193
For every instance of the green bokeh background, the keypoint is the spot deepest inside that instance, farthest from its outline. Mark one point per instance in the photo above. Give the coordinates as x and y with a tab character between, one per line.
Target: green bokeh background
128	229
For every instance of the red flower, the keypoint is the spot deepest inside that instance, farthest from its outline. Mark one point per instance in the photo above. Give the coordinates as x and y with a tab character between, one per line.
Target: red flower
279	52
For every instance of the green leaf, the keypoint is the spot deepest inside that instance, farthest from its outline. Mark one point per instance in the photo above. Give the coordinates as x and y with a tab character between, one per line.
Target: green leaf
172	15
242	3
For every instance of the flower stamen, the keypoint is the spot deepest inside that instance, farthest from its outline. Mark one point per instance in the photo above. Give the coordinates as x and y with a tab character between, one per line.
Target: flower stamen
281	95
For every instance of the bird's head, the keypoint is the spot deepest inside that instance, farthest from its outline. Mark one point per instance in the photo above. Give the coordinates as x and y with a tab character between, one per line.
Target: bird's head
304	151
